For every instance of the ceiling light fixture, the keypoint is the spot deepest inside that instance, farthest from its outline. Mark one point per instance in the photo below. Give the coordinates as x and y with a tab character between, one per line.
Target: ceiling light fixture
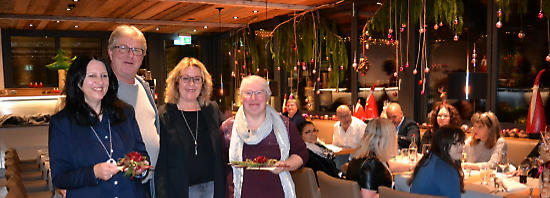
235	17
205	27
75	0
30	25
194	30
379	3
255	11
57	21
75	26
70	7
157	29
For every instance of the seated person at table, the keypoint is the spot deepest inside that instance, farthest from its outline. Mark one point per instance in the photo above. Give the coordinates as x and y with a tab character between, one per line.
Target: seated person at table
369	166
438	172
348	130
485	146
442	114
293	112
406	128
320	158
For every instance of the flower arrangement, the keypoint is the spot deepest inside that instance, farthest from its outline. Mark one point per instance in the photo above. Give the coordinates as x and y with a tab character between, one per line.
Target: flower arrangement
134	165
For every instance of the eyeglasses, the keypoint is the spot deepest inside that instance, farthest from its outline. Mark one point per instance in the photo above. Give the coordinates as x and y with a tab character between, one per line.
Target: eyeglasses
249	94
443	116
311	131
126	49
188	79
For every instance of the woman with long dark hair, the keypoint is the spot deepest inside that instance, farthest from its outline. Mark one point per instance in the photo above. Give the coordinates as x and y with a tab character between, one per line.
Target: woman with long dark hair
442	114
91	132
439	172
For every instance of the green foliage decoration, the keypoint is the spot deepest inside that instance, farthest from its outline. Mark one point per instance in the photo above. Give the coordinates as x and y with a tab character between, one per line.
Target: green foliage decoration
511	6
61	61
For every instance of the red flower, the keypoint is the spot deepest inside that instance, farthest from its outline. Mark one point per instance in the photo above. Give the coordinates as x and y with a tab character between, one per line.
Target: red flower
134	164
260	159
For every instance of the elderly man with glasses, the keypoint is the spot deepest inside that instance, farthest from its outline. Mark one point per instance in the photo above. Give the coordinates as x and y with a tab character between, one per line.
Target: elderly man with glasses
126	49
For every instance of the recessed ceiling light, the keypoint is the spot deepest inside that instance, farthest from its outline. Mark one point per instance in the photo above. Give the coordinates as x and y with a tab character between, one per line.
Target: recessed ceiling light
235	17
378	3
75	26
255	11
157	29
68	9
205	26
194	30
57	21
30	25
75	0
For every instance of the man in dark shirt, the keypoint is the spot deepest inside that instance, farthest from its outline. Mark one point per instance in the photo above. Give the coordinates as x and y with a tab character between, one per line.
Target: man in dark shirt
406	128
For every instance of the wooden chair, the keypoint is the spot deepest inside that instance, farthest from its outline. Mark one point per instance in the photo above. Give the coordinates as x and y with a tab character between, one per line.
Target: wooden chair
518	149
334	187
305	183
16	189
385	192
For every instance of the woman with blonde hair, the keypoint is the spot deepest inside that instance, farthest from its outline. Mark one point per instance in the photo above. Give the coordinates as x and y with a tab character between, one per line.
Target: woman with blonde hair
485	146
369	166
190	162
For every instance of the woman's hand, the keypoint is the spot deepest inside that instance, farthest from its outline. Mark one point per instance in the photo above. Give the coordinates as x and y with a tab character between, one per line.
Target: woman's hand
105	170
292	163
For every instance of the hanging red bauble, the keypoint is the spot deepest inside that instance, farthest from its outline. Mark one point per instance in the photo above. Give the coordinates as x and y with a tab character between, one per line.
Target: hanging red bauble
401	29
236	62
294	49
298	63
401	68
388	42
427	70
312	60
304	68
354	65
389	35
436	27
392	41
244	66
521	35
278	68
474	55
403	25
455	21
420	82
548	58
341	67
421	30
390	30
295	68
455	37
499	24
422	92
303	64
407	65
363	74
329	69
540	15
395	74
415	72
30	85
318	92
239	51
394	94
314	71
318	79
440	23
370	38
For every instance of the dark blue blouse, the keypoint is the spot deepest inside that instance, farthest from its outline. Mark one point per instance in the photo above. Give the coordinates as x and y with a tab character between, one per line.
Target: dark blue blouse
74	150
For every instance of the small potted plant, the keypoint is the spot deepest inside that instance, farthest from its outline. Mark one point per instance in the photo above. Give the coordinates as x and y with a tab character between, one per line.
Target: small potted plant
61	63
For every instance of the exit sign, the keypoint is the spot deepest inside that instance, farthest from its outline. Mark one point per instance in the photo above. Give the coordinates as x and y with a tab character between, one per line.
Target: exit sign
183	40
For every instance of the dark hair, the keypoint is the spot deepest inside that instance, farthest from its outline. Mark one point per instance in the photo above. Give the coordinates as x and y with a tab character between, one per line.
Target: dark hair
302	125
441	143
79	111
454	119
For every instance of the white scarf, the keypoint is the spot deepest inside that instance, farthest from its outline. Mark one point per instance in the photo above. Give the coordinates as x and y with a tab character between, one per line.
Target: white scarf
240	136
316	149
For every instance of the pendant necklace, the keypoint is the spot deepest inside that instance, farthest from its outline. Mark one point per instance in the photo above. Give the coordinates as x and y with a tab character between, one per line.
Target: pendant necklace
110	154
196	135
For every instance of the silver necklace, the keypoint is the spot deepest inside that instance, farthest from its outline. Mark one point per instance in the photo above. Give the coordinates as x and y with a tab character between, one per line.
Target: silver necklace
196	135
110	154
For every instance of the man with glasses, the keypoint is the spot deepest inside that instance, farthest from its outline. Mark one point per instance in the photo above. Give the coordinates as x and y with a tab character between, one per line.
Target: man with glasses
406	128
126	49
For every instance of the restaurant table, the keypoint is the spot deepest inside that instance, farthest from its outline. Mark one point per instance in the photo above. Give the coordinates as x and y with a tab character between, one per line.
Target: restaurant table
474	189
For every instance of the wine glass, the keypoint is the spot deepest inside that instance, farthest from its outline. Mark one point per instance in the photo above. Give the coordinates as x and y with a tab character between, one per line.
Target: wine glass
503	163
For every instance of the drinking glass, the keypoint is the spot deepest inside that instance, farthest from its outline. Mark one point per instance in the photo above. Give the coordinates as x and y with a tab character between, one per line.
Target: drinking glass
404	154
484	173
503	163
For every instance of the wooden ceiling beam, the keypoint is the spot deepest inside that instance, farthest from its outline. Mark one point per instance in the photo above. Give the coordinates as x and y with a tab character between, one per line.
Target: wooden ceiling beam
115	20
245	3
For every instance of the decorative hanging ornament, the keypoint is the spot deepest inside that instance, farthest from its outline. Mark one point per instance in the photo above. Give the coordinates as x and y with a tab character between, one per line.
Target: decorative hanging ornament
329	69
370	38
341	67
415	72
407	65
422	92
312	60
298	63
441	24
403	25
303	64
421	30
420	82
540	15
436	27
304	67
395	74
318	79
394	94
390	30
455	21
278	68
455	37
354	65
521	35
499	13
319	91
295	68
367	46
389	35
314	71
257	70
499	24
233	74
401	29
401	68
427	70
548	58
